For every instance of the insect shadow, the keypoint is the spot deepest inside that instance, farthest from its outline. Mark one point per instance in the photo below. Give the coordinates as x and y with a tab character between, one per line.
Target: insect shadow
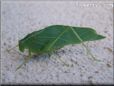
41	58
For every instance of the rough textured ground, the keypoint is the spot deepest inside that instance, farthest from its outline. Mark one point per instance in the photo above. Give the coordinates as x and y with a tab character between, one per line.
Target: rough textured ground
20	18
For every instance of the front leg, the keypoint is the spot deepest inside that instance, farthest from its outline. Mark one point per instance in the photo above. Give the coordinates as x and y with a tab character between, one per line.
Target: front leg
26	60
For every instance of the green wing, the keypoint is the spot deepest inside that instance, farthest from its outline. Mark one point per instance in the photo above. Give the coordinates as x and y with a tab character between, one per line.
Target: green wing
57	36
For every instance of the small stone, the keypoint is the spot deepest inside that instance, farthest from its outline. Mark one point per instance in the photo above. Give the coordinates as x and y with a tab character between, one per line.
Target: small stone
72	65
81	75
105	31
96	71
73	73
90	77
4	44
108	65
65	71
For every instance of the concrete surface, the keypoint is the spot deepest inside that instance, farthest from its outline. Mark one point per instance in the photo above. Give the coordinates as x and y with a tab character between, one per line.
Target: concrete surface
18	18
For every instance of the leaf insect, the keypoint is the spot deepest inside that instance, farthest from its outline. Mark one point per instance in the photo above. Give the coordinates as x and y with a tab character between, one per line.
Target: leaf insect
55	37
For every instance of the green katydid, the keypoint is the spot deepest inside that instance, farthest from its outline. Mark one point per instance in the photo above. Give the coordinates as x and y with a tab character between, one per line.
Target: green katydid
55	37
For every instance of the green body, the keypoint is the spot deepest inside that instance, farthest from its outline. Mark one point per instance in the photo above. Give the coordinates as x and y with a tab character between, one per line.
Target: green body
55	37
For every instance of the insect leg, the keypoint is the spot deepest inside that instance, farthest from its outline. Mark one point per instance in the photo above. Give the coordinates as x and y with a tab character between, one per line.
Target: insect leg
66	64
26	60
12	48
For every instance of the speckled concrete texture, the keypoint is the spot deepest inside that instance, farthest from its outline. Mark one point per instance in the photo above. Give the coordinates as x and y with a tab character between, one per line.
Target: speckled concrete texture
18	18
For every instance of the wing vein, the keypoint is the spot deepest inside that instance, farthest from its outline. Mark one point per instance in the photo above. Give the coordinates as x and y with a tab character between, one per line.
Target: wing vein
57	38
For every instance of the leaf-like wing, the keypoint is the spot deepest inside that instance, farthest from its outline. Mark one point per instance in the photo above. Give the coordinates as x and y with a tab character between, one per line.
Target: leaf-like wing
55	37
